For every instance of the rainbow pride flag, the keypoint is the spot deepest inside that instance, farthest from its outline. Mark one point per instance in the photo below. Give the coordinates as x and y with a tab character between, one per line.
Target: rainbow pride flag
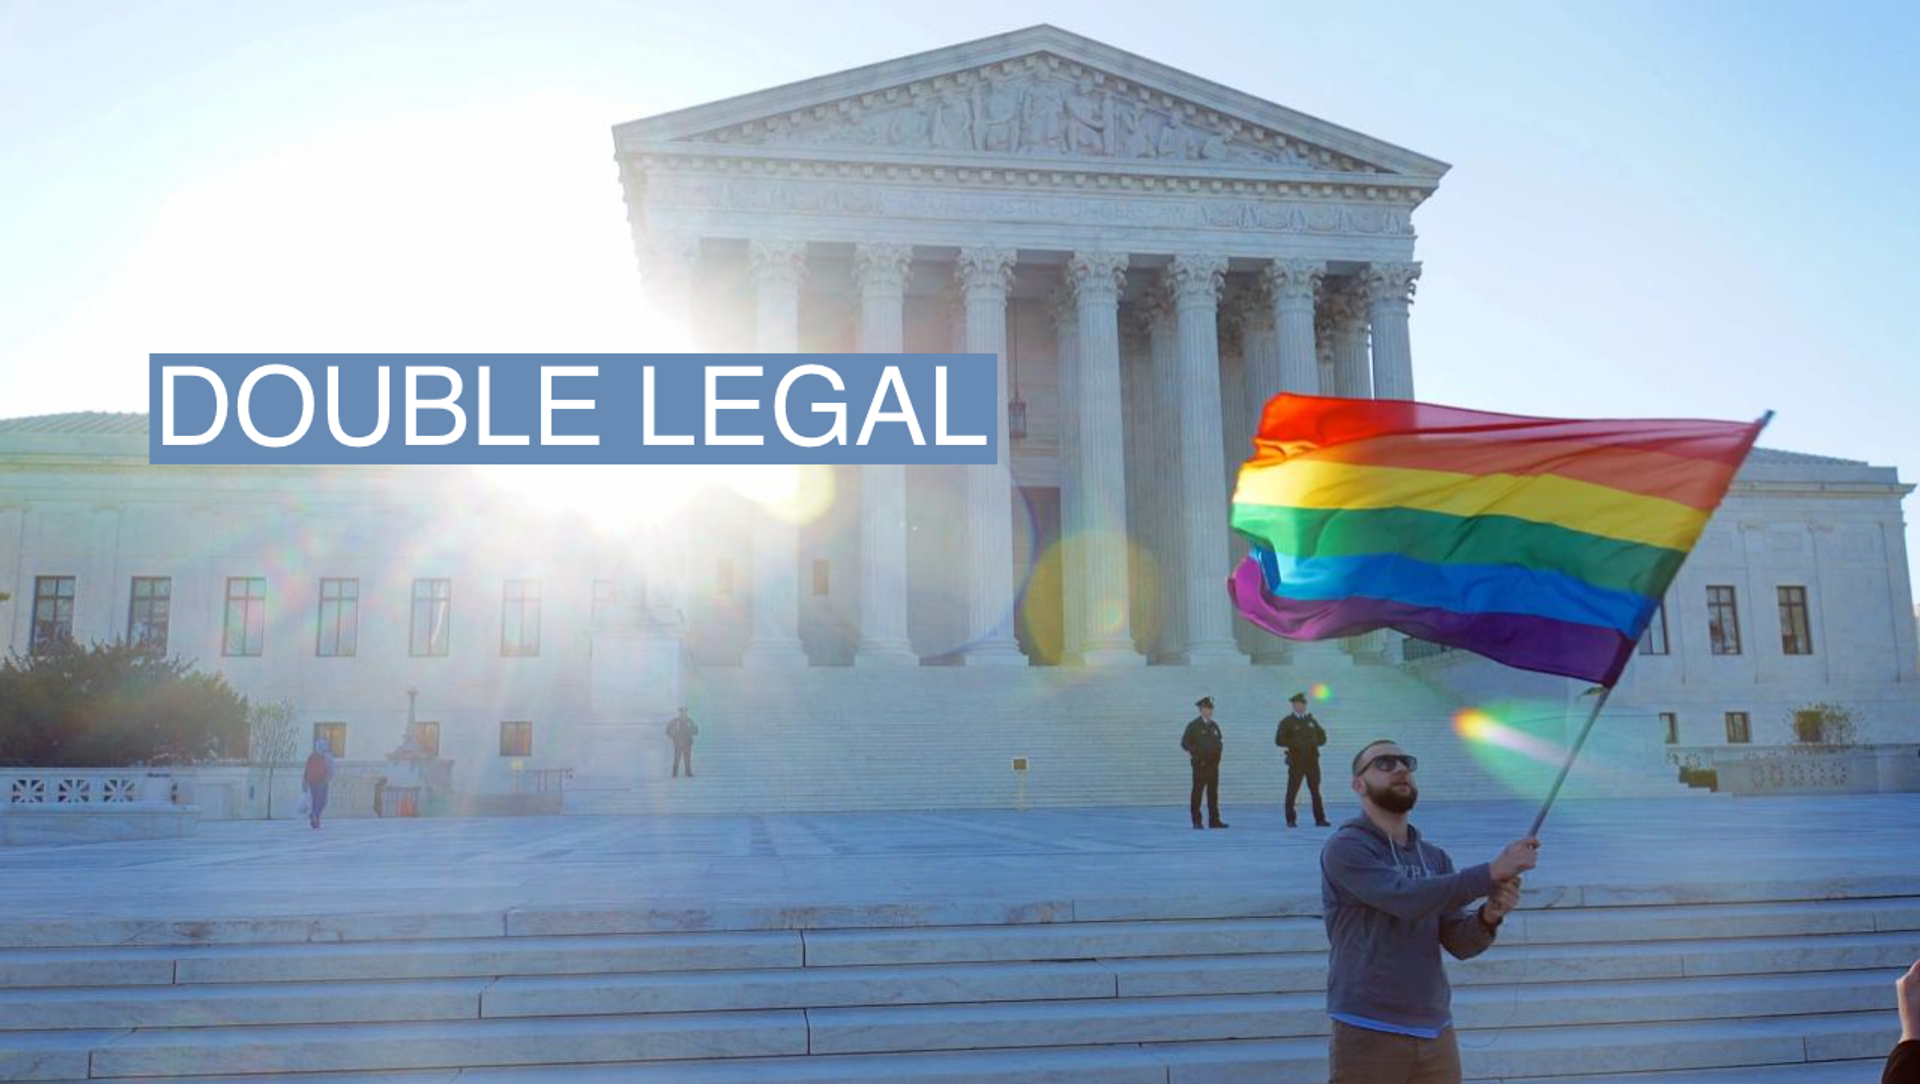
1543	543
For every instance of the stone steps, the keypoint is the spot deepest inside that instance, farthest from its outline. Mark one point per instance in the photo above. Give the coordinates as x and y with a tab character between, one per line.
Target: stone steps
1211	990
1802	1048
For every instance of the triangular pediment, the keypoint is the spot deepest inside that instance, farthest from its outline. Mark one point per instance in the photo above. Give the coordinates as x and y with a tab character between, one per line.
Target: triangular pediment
1029	96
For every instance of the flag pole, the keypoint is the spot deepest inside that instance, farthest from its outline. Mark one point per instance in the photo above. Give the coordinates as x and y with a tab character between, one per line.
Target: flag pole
1541	817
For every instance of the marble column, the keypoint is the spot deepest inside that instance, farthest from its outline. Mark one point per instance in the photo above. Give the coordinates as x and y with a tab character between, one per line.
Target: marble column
1264	377
1347	328
669	269
1163	343
778	267
880	276
1136	383
1066	334
985	275
1292	284
1389	292
1097	278
1197	280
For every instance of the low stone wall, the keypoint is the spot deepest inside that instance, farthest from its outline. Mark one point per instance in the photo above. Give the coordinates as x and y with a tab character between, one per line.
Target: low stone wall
84	805
1866	769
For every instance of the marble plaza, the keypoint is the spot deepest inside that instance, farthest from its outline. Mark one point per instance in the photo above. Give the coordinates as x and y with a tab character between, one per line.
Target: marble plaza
1690	939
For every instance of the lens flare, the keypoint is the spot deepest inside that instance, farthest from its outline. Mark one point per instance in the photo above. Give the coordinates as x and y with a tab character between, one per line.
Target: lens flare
1481	728
1321	691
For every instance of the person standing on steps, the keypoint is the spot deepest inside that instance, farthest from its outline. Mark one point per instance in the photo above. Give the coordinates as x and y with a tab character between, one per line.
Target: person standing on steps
1392	901
1204	743
681	731
1301	736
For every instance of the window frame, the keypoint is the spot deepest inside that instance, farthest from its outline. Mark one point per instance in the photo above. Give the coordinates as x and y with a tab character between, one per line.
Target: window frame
523	728
1723	628
160	603
346	615
527	646
1739	727
253	619
59	630
438	635
335	732
1794	608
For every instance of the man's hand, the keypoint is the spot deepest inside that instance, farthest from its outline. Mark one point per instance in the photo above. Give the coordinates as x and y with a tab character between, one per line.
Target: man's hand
1518	857
1503	902
1908	989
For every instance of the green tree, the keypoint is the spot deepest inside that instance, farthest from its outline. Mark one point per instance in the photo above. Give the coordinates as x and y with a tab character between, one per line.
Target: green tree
112	704
272	739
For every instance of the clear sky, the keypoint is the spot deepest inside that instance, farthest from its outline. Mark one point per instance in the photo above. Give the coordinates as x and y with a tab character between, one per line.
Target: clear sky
1655	208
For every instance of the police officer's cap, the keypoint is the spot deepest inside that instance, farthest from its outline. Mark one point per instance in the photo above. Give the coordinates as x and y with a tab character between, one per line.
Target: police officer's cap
1203	702
1297	698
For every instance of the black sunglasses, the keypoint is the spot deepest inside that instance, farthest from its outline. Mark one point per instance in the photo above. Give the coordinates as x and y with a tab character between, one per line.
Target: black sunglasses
1387	762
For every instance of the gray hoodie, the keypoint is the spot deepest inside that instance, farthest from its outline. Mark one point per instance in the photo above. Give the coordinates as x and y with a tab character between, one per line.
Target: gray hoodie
1389	910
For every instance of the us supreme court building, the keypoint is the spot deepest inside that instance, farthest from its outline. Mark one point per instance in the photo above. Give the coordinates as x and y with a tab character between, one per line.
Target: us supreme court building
1151	256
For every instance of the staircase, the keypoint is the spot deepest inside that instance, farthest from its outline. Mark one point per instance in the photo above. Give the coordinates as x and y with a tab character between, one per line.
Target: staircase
1766	989
845	739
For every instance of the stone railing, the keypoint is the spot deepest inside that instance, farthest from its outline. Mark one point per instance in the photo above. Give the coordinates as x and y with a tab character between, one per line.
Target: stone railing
84	786
90	805
1803	769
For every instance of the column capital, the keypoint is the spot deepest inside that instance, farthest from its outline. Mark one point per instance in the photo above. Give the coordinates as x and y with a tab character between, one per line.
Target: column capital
1097	276
1390	283
1345	306
1197	279
778	264
1063	310
1294	281
985	269
881	268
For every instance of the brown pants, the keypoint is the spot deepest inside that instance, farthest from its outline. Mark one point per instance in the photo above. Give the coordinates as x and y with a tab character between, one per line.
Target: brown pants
1363	1056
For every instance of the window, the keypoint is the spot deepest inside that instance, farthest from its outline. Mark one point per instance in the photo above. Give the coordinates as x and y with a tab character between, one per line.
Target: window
52	613
339	619
605	594
723	577
426	735
1723	621
516	739
147	612
1739	728
1670	724
432	612
1796	637
1654	640
334	734
821	582
246	630
520	618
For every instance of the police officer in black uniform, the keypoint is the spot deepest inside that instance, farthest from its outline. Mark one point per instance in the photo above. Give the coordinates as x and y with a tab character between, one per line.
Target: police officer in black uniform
1203	743
1301	736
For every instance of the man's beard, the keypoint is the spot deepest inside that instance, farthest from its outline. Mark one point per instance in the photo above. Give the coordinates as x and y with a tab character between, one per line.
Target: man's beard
1392	799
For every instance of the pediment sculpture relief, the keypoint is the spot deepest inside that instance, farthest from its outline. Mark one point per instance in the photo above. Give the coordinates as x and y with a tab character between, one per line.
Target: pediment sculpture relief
1039	113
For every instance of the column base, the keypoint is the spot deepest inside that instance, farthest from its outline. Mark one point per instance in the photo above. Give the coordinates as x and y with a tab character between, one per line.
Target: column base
1224	653
774	654
1112	654
994	653
885	653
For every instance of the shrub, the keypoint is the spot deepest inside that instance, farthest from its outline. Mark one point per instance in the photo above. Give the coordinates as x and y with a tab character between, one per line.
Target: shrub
113	704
